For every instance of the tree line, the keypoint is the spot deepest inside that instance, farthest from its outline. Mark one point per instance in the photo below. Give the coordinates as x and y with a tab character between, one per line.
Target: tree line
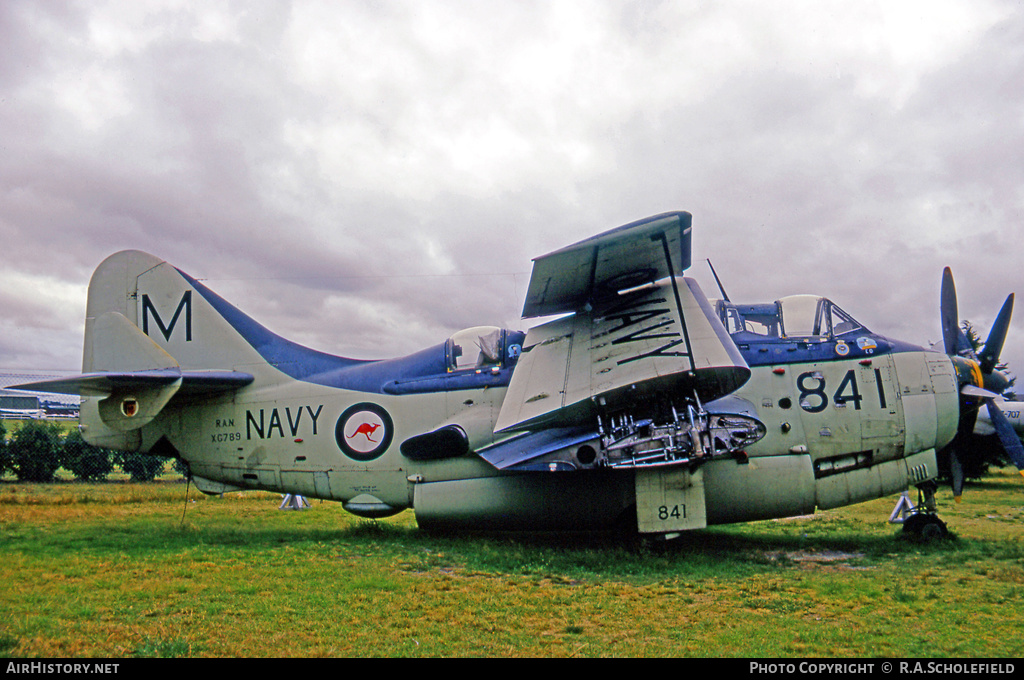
35	452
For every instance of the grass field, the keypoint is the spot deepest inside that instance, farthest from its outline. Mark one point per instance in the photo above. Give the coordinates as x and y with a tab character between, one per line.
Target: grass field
121	570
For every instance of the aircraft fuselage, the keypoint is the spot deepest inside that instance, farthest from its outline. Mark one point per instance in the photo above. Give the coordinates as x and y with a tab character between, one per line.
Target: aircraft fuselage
846	420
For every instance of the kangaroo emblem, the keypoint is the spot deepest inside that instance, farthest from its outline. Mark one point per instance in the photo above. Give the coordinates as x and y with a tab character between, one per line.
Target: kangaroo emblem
370	421
366	429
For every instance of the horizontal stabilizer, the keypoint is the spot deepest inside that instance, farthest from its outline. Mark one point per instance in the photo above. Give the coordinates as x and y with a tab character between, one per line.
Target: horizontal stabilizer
569	279
131	376
102	384
130	400
123	359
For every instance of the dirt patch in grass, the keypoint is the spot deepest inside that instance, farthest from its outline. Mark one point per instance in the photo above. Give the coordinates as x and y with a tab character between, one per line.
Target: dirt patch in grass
817	559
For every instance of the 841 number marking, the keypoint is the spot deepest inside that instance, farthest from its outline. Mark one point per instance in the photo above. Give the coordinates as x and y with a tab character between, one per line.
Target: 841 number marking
666	512
814	398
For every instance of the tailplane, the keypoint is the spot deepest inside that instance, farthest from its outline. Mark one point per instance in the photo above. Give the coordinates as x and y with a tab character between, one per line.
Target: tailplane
153	333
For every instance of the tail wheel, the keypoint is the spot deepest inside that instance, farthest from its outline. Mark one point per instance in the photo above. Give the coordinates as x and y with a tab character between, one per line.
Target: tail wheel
925	527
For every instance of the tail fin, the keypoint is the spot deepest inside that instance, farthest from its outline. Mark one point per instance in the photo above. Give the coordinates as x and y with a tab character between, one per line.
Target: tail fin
201	330
163	305
153	332
149	337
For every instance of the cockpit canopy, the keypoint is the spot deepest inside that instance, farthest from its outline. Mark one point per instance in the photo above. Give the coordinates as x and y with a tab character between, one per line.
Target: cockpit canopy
795	316
480	348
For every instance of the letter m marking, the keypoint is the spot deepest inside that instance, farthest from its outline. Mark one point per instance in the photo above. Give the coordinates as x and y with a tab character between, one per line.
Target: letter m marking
166	330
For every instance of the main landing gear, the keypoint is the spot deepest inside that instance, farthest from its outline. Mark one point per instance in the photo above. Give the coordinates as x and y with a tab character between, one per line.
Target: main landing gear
920	521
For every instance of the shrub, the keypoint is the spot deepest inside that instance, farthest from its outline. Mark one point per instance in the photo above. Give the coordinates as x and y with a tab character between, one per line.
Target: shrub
141	467
35	451
5	463
86	462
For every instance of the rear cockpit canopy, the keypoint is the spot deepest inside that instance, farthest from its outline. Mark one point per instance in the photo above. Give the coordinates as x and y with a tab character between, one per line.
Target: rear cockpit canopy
795	316
480	348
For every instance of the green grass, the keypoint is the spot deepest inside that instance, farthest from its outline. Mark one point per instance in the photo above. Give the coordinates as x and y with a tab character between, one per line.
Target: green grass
122	570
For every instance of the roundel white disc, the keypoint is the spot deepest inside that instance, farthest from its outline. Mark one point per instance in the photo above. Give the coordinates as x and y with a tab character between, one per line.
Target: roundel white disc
364	431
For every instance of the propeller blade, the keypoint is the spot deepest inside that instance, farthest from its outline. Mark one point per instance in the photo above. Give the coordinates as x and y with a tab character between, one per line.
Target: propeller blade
973	369
994	345
949	314
977	392
1007	436
956	471
960	447
954	340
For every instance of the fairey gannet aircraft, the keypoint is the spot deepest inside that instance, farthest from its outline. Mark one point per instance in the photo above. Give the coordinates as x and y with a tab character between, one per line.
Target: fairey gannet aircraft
641	404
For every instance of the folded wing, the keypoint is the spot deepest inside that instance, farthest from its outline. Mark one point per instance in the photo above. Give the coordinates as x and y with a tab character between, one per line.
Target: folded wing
570	278
636	332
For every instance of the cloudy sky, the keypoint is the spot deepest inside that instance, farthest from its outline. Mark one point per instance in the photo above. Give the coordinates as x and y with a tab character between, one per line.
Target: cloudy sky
367	177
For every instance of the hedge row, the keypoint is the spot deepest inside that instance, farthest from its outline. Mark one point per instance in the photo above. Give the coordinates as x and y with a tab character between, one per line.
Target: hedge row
36	450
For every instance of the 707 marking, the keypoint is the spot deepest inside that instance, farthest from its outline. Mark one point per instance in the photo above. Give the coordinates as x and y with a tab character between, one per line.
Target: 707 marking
814	399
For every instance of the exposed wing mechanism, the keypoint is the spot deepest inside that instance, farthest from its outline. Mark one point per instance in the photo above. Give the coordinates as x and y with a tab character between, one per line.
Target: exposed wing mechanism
652	341
639	352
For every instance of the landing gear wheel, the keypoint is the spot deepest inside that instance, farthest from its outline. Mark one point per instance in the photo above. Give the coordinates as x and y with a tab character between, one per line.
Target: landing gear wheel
925	527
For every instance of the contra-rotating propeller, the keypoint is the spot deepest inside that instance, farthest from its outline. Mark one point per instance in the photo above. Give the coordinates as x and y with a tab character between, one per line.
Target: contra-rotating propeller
978	381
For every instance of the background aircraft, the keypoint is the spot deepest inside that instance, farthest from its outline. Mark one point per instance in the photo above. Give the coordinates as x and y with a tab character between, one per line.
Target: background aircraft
1011	409
639	404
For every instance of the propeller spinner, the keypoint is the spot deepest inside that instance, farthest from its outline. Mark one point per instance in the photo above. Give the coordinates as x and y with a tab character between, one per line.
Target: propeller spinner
979	382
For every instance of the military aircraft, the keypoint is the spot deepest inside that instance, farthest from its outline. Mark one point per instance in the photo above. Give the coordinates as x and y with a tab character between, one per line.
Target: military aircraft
638	403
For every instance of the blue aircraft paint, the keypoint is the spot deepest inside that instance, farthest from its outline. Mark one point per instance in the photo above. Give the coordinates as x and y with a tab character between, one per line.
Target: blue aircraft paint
423	371
760	351
427	370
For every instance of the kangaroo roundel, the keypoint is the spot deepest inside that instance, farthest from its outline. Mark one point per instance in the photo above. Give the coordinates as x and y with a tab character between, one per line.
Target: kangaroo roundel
364	431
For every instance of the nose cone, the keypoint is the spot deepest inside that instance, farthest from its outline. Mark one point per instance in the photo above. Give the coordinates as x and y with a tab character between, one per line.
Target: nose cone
968	372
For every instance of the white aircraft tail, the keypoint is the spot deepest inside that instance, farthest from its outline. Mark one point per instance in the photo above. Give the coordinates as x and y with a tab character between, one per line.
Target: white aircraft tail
171	322
153	333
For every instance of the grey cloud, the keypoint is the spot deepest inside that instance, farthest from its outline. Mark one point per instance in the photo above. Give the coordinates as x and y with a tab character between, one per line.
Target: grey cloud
374	176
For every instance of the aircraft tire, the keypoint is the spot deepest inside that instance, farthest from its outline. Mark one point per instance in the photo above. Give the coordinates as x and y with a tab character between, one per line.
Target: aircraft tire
925	527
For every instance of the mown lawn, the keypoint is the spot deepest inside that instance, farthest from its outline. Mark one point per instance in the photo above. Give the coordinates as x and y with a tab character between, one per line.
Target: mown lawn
120	570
